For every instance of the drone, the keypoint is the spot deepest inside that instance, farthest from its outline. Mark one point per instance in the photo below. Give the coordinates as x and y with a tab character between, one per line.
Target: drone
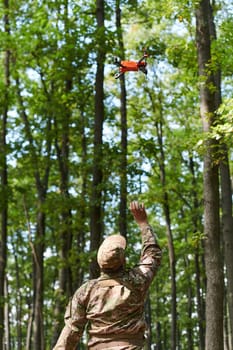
131	66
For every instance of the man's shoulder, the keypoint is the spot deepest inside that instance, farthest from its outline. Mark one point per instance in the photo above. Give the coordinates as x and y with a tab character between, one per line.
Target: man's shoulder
86	286
82	294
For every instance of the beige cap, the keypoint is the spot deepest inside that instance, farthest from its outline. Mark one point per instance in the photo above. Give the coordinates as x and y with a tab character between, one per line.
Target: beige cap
111	253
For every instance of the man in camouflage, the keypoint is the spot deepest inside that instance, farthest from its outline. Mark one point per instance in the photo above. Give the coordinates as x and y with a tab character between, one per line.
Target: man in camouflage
113	304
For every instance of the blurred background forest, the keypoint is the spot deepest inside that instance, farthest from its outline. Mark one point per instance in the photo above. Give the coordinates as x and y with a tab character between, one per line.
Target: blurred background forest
77	145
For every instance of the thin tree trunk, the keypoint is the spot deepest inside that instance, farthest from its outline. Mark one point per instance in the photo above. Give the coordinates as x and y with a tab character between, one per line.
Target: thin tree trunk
227	337
18	296
166	211
29	328
189	330
165	345
158	327
199	287
123	112
97	174
80	231
38	285
65	231
172	261
41	183
4	177
148	322
227	227
200	302
63	160
213	260
66	217
7	336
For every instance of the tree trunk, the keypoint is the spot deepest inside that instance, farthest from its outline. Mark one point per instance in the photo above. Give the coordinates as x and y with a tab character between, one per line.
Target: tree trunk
7	332
213	259
123	111
227	336
158	328
226	195
189	329
18	296
41	184
62	145
4	177
200	302
166	211
148	319
38	286
80	238
227	227
97	174
172	259
197	223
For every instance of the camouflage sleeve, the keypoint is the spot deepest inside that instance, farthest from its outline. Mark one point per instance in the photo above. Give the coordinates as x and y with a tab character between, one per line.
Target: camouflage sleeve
151	253
75	321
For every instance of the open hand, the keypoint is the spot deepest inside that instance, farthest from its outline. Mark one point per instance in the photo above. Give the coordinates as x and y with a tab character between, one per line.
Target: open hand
139	212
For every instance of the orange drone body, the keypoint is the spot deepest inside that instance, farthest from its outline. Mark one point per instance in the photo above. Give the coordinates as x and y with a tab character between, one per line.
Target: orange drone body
132	66
128	66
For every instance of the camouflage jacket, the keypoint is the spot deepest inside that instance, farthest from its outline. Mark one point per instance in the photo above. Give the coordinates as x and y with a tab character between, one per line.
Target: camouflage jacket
113	304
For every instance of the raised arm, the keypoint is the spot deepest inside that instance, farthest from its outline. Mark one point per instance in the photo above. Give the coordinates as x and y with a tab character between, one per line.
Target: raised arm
151	252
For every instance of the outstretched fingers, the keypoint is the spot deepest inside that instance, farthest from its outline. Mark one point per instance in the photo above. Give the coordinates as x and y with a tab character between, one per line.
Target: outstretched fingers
135	205
139	212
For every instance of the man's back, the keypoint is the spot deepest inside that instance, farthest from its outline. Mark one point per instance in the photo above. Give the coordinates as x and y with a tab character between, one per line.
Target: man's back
113	304
115	308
